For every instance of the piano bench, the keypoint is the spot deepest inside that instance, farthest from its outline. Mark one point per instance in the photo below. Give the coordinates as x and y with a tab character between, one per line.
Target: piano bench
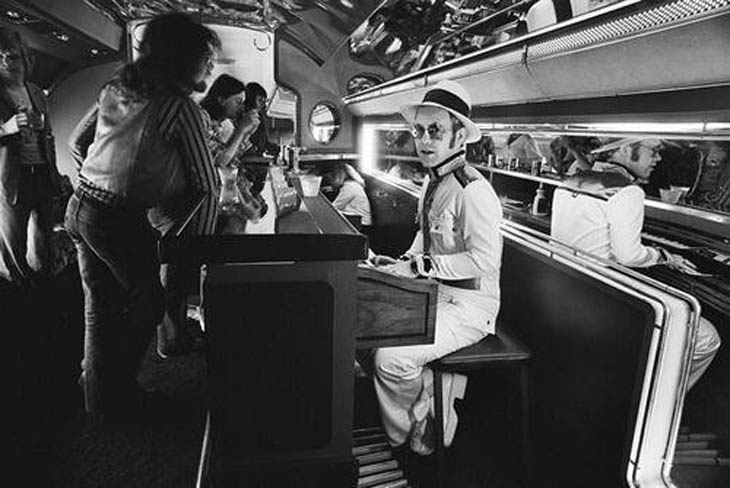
494	351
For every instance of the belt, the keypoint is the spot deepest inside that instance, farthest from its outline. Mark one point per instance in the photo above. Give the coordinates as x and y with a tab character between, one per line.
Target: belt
112	202
465	284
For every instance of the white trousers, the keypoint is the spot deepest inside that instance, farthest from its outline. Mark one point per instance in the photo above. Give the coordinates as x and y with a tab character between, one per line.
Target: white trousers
706	346
404	386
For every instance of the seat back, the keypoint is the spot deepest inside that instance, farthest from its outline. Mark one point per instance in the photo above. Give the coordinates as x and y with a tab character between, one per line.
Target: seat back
595	341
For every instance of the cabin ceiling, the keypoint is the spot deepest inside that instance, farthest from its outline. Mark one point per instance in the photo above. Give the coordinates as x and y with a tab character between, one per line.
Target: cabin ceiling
317	27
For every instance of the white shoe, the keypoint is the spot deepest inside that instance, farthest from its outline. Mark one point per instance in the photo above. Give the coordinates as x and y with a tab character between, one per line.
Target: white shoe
458	389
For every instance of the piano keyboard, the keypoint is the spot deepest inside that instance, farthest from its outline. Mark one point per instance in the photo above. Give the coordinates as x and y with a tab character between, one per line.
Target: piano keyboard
701	252
663	241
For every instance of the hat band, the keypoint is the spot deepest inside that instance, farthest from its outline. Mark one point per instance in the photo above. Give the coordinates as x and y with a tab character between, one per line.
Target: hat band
448	100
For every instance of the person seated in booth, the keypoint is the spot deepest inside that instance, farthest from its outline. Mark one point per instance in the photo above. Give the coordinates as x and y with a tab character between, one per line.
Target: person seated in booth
459	245
602	212
351	198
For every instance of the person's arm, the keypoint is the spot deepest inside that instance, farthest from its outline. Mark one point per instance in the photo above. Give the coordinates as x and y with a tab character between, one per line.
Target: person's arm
354	175
243	128
482	216
182	122
625	214
344	199
83	136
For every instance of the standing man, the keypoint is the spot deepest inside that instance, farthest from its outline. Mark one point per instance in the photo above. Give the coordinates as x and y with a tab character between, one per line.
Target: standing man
142	145
459	245
28	174
602	212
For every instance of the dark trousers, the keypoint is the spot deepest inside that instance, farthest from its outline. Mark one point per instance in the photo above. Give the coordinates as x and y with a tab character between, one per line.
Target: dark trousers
123	298
31	212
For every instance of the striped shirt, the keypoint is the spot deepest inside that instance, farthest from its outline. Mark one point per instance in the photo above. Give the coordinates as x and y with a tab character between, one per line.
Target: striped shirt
178	122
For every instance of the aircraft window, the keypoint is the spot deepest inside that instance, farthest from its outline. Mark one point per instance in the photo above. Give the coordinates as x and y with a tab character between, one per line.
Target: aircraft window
324	122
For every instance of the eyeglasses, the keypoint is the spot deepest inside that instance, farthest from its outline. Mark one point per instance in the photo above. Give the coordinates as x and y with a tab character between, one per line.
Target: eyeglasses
435	132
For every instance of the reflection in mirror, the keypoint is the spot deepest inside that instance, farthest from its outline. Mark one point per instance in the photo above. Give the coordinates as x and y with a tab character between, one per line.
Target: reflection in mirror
690	171
282	116
393	152
359	83
408	35
324	122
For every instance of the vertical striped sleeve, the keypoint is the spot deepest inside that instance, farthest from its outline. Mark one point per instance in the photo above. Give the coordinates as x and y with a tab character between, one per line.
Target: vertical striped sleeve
181	122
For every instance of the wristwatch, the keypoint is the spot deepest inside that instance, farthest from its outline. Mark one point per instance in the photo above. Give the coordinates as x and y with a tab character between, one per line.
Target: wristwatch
422	265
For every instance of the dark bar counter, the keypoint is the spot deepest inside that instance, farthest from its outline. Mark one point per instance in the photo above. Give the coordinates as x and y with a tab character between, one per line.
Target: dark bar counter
279	307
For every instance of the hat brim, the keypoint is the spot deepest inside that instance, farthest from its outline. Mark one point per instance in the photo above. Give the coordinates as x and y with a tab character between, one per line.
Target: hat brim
473	134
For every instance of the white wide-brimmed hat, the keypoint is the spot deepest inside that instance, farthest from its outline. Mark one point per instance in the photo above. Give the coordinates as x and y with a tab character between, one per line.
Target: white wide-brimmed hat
451	97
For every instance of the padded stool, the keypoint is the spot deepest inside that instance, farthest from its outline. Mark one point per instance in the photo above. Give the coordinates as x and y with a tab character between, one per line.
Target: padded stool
494	351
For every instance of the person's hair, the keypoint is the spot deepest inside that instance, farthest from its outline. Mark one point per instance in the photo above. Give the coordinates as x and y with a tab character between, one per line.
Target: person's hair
456	124
223	87
254	90
172	48
10	39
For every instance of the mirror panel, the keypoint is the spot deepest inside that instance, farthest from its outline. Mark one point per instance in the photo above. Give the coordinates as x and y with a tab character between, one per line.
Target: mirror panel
692	166
409	35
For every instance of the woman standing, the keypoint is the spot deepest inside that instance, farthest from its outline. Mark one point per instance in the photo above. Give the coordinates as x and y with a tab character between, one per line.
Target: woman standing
141	146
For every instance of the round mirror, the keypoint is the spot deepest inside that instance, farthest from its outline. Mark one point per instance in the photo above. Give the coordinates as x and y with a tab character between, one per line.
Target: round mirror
324	122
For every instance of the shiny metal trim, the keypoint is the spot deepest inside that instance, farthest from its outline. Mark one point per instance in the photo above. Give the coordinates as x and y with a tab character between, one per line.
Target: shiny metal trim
404	185
599	265
420	78
652	18
704	220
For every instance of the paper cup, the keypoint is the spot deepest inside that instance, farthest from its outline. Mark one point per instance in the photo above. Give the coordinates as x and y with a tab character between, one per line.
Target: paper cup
310	185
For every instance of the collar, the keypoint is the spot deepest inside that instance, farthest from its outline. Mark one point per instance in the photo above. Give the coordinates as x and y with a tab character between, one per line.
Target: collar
453	162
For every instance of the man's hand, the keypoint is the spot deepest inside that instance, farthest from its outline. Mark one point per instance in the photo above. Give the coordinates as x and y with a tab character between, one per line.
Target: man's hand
249	120
381	260
679	263
421	264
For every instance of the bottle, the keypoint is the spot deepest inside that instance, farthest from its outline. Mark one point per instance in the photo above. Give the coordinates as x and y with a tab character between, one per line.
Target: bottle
230	197
539	203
